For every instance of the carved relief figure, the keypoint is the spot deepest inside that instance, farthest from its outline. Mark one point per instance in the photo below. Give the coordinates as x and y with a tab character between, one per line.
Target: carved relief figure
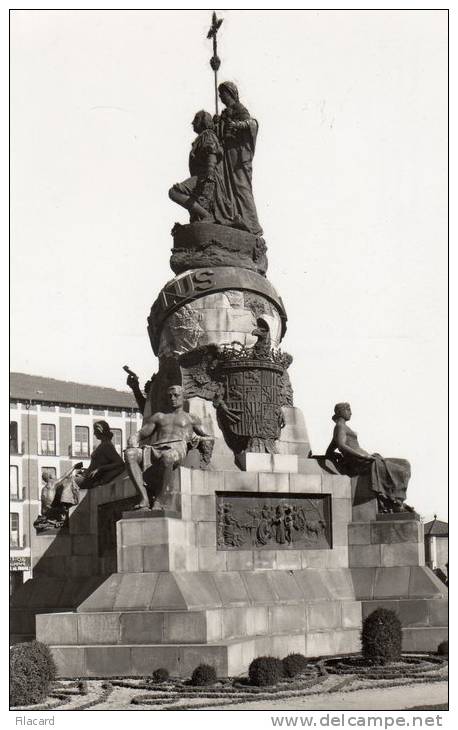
182	331
389	477
237	131
198	373
163	441
260	526
264	528
315	528
279	522
289	524
245	522
230	527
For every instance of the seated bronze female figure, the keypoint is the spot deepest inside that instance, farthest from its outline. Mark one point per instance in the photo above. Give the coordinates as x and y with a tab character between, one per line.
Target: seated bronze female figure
388	477
106	464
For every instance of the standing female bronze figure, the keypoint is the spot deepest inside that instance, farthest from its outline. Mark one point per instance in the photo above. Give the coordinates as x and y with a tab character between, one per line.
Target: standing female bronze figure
237	131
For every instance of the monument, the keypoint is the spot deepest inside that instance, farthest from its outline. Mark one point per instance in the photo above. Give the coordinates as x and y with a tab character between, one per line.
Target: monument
226	539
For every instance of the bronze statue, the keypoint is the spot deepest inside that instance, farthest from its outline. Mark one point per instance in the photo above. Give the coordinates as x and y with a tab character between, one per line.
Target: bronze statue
238	131
106	464
134	384
163	442
263	346
204	193
389	477
48	492
57	496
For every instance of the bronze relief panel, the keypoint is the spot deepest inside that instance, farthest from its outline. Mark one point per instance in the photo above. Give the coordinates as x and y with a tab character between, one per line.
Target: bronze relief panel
273	522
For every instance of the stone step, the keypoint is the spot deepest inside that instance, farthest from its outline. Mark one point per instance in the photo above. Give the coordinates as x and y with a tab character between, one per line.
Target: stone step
413	612
230	658
182	591
187	627
423	638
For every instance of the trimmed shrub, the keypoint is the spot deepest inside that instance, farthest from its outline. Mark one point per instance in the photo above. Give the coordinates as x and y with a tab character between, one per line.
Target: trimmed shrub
82	687
32	670
381	637
160	675
203	675
265	670
442	649
294	664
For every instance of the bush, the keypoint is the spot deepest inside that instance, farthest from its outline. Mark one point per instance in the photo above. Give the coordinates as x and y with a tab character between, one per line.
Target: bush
442	649
265	670
160	675
32	670
203	675
294	664
82	687
381	637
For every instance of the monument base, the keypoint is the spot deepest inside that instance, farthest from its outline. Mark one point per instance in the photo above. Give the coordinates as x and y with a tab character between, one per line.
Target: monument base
176	592
137	622
387	558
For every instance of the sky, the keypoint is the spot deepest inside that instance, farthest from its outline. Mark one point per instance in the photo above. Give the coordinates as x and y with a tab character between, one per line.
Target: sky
350	182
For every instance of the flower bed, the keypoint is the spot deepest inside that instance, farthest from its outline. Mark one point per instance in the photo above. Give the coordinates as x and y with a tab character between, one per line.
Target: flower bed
319	676
407	666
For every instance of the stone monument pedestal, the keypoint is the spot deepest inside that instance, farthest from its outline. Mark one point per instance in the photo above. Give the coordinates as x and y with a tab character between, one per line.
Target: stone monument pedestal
178	598
387	557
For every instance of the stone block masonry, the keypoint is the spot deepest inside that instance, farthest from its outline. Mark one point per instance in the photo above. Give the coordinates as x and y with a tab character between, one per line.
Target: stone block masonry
175	597
387	561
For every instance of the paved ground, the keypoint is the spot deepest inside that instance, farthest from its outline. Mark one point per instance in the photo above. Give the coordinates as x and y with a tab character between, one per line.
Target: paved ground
377	698
387	699
355	694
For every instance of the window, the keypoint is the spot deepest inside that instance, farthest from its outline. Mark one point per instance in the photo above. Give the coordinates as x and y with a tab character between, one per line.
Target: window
48	439
98	412
14	529
14	482
45	407
117	440
81	441
51	470
13	437
82	411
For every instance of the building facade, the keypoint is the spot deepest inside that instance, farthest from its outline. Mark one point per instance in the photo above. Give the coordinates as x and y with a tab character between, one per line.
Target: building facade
50	430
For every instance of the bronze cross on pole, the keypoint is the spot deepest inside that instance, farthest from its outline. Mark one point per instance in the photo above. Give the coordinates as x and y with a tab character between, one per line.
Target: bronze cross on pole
215	61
